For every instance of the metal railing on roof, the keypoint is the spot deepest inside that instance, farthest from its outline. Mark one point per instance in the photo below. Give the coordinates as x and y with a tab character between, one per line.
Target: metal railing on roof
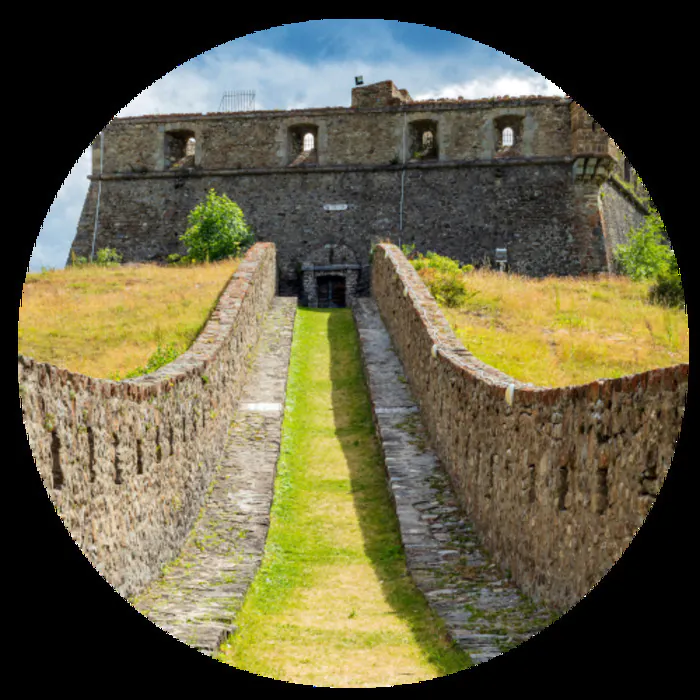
239	101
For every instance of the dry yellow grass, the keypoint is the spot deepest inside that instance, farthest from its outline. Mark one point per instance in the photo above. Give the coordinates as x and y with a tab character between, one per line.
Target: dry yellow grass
560	331
103	321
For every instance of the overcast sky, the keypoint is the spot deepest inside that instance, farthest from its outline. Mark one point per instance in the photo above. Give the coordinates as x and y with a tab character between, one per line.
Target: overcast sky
311	64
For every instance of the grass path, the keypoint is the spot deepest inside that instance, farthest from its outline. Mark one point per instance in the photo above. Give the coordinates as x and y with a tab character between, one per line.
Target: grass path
333	604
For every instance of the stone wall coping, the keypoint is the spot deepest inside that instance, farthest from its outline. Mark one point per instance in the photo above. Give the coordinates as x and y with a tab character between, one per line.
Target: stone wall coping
448	348
443	104
192	362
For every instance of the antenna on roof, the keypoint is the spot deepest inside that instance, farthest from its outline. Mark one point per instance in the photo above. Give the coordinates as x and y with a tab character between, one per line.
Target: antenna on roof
241	101
359	80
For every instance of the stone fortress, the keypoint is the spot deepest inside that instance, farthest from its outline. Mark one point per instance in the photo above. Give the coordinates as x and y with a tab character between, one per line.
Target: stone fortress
554	482
536	177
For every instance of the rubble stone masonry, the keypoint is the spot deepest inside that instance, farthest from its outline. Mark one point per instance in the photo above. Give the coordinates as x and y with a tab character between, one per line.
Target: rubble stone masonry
557	480
127	463
435	173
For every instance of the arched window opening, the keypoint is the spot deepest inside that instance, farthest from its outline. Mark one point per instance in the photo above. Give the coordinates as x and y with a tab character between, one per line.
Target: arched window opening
626	170
423	143
179	149
507	137
303	141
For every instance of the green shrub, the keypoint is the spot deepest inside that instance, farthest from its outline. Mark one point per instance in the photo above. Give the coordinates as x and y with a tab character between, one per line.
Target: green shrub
449	289
443	276
646	255
177	259
216	230
108	257
441	263
668	289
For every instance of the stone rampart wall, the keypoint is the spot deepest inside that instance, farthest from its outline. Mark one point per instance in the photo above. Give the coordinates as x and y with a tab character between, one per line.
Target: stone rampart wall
465	212
127	464
558	480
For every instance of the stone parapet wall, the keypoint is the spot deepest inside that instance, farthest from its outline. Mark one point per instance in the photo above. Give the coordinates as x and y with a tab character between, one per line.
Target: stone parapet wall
127	464
557	480
344	136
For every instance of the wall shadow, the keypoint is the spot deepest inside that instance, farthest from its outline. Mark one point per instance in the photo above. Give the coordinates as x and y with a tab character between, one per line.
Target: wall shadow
356	432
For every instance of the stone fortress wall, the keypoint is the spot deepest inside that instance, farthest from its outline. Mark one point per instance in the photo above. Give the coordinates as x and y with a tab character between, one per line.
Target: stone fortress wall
556	480
127	464
437	173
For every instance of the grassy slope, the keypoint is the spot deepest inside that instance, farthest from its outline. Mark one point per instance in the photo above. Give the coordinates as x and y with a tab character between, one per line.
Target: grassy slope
560	331
101	321
332	604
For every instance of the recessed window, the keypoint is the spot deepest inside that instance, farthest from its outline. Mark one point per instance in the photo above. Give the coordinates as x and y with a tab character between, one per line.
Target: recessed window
507	137
508	134
179	149
302	144
423	140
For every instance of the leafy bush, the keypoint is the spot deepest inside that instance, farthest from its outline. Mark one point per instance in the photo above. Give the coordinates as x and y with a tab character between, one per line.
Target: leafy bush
107	257
441	263
444	277
668	289
216	230
177	259
449	289
646	255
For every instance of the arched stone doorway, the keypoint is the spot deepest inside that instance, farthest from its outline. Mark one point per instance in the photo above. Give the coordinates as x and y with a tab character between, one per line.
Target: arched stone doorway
330	277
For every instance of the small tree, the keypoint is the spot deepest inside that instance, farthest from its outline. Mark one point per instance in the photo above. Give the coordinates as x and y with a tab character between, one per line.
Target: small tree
216	230
647	254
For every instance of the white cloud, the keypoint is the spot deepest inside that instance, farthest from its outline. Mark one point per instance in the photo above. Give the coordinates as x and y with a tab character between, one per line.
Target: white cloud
508	84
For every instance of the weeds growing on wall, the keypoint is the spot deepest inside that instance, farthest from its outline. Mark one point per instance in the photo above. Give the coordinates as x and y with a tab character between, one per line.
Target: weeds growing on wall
106	257
162	356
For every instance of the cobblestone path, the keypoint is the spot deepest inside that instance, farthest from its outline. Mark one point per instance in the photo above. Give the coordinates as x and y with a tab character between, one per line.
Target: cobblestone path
484	612
197	598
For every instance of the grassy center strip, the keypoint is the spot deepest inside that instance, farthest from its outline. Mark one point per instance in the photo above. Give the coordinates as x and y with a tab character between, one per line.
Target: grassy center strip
333	603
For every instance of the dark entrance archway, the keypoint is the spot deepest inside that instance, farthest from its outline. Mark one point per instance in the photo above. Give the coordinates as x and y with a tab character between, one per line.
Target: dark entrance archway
331	291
